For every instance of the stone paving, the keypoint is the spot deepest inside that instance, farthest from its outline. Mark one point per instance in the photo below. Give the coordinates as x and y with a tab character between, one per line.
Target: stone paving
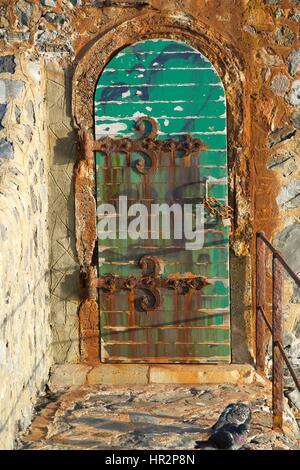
149	417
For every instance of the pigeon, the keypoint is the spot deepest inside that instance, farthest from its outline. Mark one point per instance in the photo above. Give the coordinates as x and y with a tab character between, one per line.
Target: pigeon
231	429
236	414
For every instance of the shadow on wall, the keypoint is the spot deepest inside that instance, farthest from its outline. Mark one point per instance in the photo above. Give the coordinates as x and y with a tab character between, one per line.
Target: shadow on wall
64	268
21	425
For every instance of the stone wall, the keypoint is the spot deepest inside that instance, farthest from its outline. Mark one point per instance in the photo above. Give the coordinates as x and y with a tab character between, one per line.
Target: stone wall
24	301
41	42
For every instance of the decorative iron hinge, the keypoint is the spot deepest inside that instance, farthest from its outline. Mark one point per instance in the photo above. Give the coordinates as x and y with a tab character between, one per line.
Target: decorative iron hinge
148	145
150	281
153	148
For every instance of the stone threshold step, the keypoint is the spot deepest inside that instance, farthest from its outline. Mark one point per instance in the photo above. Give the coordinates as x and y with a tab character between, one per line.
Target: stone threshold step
65	375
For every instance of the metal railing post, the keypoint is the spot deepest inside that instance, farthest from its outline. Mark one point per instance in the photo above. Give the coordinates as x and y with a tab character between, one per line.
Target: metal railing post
260	301
277	335
279	357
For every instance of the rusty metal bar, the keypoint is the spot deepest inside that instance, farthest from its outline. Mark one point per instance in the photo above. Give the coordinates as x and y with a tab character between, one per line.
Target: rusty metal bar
289	366
146	144
260	303
149	283
263	314
277	329
288	269
279	356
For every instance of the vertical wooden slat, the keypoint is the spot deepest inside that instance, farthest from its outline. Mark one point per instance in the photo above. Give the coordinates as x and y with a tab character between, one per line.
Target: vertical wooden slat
260	302
277	327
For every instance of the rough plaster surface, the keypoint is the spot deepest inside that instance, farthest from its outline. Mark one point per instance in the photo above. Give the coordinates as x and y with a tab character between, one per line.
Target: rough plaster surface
64	271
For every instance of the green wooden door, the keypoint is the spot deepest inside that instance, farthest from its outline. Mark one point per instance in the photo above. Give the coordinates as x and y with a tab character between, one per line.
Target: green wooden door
179	88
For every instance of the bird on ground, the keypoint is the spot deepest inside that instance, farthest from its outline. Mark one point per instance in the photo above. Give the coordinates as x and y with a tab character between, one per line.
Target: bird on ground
230	430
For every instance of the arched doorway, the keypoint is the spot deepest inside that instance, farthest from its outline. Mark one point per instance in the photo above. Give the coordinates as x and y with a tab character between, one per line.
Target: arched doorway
179	90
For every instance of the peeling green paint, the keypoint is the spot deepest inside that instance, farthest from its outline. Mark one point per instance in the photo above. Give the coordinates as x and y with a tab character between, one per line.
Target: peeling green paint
178	87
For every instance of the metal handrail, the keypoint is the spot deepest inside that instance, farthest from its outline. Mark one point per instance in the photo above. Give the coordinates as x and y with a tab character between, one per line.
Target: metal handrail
288	269
279	356
286	359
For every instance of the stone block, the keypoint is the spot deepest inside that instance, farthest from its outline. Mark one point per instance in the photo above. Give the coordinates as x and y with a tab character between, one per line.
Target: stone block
288	242
281	134
284	36
6	149
66	375
30	113
289	196
17	36
48	3
18	113
294	397
24	12
269	58
118	374
201	374
294	16
10	89
285	162
293	97
3	107
278	13
34	70
7	64
296	118
54	18
293	61
280	84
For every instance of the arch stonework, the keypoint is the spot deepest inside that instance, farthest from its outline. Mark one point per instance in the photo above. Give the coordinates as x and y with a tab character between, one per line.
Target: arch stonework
229	63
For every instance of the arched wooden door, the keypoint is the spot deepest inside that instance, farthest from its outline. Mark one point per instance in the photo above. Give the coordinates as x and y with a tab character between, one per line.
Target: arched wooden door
178	88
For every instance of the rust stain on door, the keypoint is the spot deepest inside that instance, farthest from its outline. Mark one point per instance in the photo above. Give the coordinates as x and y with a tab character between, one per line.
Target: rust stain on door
160	128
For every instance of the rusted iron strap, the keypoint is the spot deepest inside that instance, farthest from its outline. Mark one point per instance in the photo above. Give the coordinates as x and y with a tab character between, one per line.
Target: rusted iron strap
260	302
148	145
289	365
278	354
277	327
184	285
280	258
150	284
263	314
